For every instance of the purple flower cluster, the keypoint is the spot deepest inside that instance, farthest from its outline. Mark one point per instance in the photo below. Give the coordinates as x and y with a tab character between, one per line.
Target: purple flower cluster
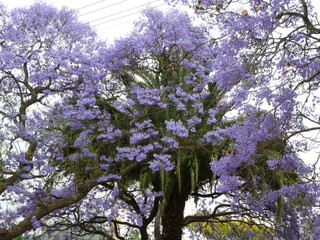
138	153
109	177
161	161
142	132
170	142
177	128
109	133
146	96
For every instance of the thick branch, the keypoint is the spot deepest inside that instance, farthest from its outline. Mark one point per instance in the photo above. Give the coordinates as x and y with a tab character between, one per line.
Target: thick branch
303	16
302	131
9	182
204	218
43	210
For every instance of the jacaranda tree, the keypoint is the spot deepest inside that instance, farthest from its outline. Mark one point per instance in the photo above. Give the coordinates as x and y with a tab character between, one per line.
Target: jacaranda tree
116	141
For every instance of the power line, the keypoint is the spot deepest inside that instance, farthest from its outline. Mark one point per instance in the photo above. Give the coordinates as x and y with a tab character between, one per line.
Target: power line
90	5
120	13
123	11
115	19
130	21
102	8
113	26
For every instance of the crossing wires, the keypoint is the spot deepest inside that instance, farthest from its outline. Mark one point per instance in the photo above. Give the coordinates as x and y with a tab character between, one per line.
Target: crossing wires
101	8
89	5
107	14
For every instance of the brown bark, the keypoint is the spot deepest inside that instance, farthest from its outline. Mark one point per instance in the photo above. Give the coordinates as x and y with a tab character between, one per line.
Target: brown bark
47	208
172	217
144	234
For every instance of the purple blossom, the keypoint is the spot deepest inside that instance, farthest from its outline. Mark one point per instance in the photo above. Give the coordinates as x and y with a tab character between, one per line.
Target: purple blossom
103	158
177	128
143	125
109	133
172	142
109	177
27	168
193	121
161	161
181	107
147	96
61	192
141	156
35	223
112	214
104	166
139	152
212	119
139	136
115	192
26	176
173	98
229	184
83	139
213	137
47	169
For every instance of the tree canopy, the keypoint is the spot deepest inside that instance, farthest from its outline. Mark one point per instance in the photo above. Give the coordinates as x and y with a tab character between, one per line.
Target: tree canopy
116	141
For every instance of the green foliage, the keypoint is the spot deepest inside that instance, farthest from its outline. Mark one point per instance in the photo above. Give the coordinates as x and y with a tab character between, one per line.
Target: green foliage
222	227
19	238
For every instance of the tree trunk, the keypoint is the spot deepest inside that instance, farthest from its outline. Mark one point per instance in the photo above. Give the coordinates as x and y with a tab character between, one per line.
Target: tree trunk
157	226
172	217
144	233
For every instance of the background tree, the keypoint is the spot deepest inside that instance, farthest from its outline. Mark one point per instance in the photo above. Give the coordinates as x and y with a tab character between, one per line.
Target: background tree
115	140
277	41
46	55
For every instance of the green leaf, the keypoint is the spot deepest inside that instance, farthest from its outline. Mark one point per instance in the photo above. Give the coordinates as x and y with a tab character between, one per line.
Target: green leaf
179	169
279	210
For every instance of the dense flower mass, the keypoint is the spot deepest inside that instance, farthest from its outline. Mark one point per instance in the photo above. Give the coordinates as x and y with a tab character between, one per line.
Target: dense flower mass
114	140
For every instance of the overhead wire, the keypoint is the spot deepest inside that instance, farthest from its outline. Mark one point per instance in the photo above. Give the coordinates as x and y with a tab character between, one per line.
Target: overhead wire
89	5
127	10
90	22
113	26
116	19
99	9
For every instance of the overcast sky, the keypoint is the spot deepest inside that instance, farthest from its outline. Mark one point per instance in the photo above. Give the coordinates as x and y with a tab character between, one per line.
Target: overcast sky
110	18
